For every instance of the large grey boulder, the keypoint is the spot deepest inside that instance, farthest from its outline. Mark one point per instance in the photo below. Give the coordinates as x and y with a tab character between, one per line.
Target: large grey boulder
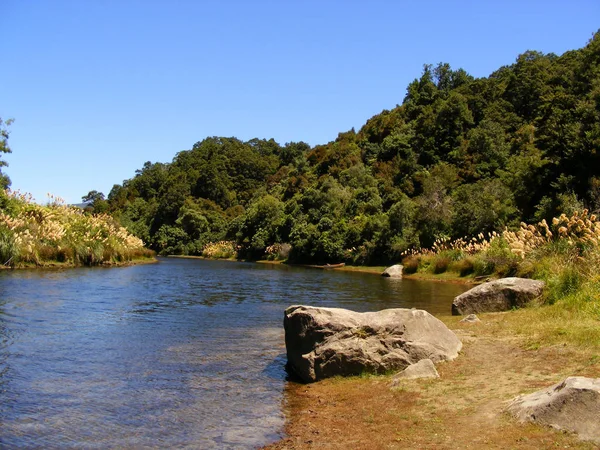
324	342
498	295
394	271
572	405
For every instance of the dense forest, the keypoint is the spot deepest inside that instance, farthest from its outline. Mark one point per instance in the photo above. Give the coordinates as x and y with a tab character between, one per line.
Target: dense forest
460	156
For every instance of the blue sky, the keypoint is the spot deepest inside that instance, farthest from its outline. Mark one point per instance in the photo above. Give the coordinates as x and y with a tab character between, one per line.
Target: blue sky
98	87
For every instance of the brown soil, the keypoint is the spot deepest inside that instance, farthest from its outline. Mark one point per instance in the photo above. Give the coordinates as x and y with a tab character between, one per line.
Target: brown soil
464	408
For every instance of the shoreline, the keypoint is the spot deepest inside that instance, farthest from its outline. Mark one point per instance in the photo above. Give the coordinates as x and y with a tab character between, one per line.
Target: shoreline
446	277
56	265
463	408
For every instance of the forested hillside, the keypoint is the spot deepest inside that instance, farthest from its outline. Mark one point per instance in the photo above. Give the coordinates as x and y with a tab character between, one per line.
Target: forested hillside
458	157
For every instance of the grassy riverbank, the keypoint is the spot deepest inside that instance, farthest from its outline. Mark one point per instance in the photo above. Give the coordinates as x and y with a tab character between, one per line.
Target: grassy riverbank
565	255
504	355
58	235
464	408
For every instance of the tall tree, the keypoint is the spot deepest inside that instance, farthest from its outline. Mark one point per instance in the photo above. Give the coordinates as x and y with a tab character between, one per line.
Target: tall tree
4	148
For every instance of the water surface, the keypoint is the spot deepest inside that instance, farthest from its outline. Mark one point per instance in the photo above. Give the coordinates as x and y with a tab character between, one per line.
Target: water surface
180	354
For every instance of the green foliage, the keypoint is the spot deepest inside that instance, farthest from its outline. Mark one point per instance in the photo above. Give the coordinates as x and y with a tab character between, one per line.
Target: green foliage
9	250
464	266
171	240
95	202
261	225
4	148
460	156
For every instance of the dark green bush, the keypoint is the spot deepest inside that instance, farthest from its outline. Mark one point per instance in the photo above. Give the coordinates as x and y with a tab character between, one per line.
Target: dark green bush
410	264
464	267
440	264
483	266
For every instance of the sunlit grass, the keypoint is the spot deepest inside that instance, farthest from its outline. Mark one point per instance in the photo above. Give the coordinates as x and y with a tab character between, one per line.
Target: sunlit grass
565	255
39	234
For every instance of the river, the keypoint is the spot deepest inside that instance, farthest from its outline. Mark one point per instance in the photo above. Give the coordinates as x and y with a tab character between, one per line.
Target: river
180	354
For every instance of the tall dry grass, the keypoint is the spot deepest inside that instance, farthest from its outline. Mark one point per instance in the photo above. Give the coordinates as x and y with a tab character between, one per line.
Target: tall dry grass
565	255
38	234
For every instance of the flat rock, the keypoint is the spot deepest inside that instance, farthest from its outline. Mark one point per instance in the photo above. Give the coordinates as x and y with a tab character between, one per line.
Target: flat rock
471	318
422	369
394	271
572	405
498	295
324	342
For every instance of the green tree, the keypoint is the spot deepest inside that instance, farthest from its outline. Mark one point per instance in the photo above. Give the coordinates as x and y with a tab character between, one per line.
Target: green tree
95	201
261	224
483	206
435	206
457	157
4	148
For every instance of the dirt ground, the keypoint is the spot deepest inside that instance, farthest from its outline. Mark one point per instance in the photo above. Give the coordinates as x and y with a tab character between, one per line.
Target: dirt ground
463	409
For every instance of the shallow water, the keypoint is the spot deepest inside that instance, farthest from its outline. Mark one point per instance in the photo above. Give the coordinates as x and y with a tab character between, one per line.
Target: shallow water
180	354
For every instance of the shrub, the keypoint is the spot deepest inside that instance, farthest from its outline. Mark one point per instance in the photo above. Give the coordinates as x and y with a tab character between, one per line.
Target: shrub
464	267
483	265
220	250
507	268
9	251
278	252
441	264
410	264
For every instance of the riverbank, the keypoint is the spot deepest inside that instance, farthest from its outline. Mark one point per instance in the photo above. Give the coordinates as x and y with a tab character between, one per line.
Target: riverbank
346	268
60	235
446	277
464	408
70	265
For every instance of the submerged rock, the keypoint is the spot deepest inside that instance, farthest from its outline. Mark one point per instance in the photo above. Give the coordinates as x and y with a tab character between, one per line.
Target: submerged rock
324	342
422	369
572	405
498	295
394	271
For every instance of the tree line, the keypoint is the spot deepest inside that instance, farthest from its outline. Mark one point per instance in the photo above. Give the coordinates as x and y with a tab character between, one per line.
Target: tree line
460	156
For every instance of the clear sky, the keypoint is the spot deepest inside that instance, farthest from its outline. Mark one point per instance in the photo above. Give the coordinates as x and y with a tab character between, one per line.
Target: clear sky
98	87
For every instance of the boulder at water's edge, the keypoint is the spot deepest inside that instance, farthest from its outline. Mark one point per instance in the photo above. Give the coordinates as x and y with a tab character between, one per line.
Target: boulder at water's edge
394	271
498	295
324	342
572	405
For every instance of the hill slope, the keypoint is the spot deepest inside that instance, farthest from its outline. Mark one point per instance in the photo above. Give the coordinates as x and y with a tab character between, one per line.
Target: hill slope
458	157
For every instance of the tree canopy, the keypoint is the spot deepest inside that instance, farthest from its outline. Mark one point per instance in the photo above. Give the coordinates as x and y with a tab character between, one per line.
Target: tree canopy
460	155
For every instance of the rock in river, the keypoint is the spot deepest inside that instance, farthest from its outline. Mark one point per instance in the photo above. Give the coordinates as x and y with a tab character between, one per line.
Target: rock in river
572	405
324	342
394	271
498	295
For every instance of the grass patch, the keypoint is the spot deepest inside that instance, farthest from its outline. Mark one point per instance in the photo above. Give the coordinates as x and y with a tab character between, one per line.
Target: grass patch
32	234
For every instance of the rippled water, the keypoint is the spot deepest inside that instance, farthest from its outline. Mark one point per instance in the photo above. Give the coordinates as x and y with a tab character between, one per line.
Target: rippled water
180	354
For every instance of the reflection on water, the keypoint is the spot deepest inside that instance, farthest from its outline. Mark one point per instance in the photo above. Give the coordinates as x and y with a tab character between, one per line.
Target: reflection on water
184	354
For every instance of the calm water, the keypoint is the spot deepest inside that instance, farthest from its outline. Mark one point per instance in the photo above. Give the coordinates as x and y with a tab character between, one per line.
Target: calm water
180	354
